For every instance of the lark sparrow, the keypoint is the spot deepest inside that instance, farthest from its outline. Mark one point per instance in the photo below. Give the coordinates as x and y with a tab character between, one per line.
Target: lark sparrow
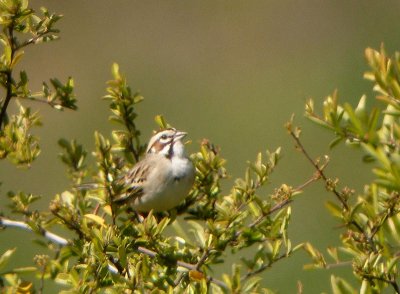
163	178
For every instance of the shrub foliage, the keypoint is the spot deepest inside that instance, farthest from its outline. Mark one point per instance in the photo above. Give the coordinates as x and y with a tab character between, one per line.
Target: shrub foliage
103	247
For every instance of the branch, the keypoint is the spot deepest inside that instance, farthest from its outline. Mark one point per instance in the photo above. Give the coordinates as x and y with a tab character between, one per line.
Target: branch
391	211
153	254
278	206
313	179
44	101
189	266
391	282
72	226
338	195
8	73
319	169
262	268
132	131
202	259
22	225
34	39
7	100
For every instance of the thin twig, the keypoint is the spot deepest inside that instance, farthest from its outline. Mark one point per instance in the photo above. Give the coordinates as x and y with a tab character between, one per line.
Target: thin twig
71	226
262	268
44	101
189	266
338	195
385	216
395	286
305	184
178	280
42	280
275	208
278	206
33	40
318	168
202	259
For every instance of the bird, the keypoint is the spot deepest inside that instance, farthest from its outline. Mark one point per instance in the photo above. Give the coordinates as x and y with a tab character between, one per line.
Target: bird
162	179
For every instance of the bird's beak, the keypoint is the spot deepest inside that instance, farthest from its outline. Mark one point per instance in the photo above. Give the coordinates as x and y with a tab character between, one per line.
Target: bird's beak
179	135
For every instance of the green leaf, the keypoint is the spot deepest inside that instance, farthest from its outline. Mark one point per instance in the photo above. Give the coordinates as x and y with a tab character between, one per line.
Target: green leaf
5	257
332	251
122	255
360	110
334	209
115	71
25	270
251	284
95	218
335	142
340	286
17	57
392	262
320	122
160	121
355	120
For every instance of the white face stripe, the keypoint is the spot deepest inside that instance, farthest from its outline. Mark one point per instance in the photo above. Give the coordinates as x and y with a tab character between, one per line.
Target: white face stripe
160	142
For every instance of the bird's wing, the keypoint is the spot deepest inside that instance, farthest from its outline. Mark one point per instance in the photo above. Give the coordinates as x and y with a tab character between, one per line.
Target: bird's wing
133	182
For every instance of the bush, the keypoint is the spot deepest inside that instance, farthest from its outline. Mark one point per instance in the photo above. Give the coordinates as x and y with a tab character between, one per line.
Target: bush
113	249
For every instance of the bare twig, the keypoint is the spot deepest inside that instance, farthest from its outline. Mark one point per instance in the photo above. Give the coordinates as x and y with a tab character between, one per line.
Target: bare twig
338	195
389	212
313	179
33	40
318	168
262	268
202	259
41	288
275	208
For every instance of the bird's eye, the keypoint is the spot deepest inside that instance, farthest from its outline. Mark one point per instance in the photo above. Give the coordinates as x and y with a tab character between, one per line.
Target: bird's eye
164	137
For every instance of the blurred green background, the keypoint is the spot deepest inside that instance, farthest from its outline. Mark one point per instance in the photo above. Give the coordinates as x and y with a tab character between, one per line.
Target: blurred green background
230	71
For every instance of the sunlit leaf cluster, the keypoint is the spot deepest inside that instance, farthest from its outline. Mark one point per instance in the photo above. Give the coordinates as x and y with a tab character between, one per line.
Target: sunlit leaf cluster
102	247
109	247
371	218
122	105
137	252
22	27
